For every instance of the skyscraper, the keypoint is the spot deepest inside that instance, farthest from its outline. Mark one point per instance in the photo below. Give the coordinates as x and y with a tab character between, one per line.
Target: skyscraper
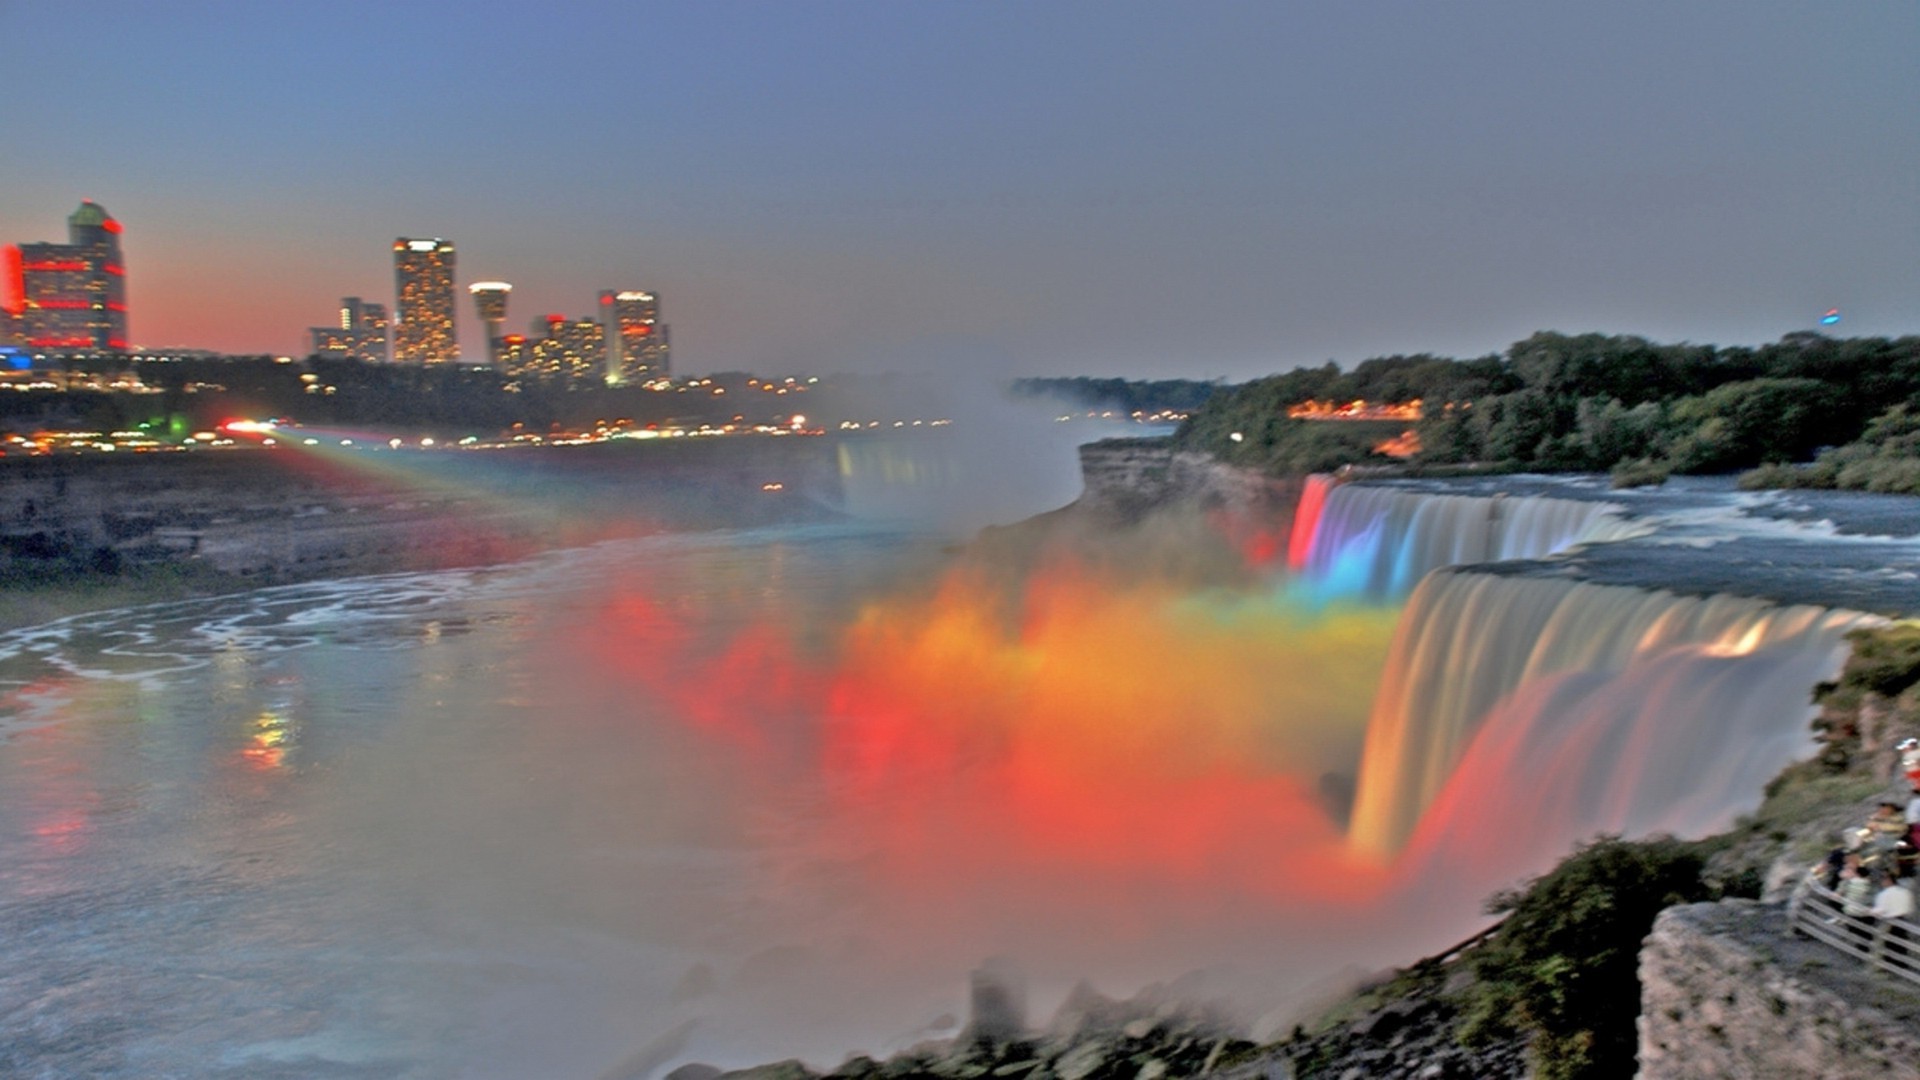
490	298
423	331
573	350
362	332
72	296
636	338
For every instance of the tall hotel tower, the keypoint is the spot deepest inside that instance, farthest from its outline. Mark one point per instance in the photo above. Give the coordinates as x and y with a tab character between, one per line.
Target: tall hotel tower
423	319
490	298
72	296
636	338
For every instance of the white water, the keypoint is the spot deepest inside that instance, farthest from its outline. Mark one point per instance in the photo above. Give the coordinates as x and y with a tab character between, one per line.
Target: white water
1497	688
1380	541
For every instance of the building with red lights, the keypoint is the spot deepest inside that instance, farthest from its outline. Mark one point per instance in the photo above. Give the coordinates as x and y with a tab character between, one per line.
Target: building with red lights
423	326
636	338
71	297
573	350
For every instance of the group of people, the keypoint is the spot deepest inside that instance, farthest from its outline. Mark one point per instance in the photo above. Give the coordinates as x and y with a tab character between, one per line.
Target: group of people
1872	870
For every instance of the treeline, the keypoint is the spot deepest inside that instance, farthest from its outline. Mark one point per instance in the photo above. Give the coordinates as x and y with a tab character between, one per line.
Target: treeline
1146	396
1589	402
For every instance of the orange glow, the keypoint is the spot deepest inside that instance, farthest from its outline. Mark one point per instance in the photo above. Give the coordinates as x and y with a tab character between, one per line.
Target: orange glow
1404	445
1091	731
1354	410
987	749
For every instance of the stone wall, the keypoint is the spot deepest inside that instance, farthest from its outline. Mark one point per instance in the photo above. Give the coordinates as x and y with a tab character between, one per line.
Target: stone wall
1727	993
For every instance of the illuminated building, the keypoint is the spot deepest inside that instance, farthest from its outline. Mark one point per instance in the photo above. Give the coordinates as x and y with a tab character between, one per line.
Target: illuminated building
636	338
71	296
362	332
560	348
423	330
490	297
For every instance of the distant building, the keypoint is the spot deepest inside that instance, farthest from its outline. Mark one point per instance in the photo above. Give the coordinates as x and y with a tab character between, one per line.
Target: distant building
636	338
362	332
70	297
423	330
490	299
573	350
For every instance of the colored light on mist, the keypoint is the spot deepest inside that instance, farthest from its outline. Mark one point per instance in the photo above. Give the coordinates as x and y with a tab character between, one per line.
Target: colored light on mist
1831	317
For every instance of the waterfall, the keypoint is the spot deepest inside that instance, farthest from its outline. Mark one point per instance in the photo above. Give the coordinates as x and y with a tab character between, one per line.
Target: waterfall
1570	708
1355	539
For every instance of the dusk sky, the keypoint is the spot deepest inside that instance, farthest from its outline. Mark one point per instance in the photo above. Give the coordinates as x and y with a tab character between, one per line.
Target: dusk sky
1145	189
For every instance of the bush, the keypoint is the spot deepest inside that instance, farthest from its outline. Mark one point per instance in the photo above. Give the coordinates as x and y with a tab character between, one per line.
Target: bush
1640	472
1563	967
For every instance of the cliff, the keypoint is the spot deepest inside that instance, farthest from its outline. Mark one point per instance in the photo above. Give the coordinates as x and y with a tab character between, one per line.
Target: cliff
1726	992
1130	478
264	516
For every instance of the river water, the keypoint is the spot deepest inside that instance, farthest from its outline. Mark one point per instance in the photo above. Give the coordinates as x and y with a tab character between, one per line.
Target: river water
740	796
454	824
728	796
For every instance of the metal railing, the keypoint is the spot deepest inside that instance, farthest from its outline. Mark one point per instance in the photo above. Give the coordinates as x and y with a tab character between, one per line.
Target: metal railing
1890	945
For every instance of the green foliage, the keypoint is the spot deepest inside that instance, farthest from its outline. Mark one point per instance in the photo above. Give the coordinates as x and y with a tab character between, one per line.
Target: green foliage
1563	967
1885	458
1747	423
1885	661
1639	472
1589	402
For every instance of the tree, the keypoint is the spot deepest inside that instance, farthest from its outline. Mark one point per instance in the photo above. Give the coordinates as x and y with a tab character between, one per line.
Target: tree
1564	966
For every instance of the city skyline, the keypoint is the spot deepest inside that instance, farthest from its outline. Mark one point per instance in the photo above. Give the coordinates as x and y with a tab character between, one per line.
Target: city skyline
1066	188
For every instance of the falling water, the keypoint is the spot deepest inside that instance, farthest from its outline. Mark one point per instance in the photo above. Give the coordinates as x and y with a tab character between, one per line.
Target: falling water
1355	539
1628	688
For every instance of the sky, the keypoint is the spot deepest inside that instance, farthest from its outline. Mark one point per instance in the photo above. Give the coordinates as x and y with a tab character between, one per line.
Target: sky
1121	188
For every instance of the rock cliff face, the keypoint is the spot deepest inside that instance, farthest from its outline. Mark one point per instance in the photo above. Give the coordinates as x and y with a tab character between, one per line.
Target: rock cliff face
269	516
1726	992
1128	478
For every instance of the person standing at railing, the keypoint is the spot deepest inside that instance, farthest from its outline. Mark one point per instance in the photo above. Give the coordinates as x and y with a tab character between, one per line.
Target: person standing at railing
1856	887
1893	906
1894	900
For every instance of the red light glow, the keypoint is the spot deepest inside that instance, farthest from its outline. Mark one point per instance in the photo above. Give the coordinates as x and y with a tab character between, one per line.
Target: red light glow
13	284
111	226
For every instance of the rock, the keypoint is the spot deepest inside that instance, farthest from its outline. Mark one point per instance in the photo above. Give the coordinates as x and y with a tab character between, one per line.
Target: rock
1082	1060
693	1070
1085	1012
790	1069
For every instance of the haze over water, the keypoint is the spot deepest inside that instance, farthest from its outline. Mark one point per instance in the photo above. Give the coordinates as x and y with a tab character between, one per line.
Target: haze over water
741	796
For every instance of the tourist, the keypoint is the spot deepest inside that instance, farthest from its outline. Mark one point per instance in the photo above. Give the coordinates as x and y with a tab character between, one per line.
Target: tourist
1893	907
1856	887
1894	900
